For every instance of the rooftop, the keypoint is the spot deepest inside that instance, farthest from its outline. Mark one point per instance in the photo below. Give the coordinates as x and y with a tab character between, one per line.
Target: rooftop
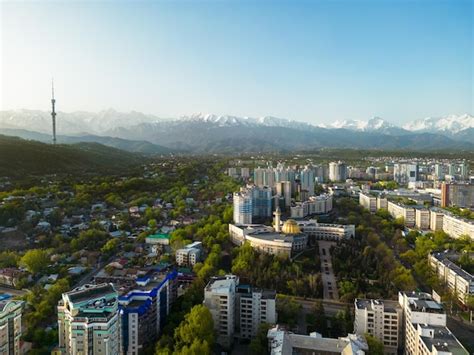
442	340
89	292
388	305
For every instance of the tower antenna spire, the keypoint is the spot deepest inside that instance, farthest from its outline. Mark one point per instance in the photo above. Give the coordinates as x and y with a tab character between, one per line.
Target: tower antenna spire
53	111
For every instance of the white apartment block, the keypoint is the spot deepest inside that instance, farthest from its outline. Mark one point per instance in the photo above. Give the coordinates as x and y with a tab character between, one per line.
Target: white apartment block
403	173
254	307
456	226
88	320
238	310
314	205
398	210
436	220
424	326
382	319
422	218
367	201
459	281
10	326
189	255
243	206
219	298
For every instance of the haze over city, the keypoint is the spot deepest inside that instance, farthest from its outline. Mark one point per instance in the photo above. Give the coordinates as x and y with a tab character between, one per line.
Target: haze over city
314	61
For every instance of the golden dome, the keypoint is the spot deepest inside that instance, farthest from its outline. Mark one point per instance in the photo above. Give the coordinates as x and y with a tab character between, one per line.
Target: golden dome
291	227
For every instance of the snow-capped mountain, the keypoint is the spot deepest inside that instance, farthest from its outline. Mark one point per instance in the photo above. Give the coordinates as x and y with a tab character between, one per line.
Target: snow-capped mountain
228	121
226	133
375	124
451	124
78	122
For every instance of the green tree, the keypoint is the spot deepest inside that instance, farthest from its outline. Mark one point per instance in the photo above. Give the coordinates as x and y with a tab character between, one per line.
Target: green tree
288	310
35	260
259	344
375	345
196	332
110	247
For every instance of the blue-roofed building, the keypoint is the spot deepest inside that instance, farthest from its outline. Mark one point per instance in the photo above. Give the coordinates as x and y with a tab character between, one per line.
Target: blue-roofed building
143	310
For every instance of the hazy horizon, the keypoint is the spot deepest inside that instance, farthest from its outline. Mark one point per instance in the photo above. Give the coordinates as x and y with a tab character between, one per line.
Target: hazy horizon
313	62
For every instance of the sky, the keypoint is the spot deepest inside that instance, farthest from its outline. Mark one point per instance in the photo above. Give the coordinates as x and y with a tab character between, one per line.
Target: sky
314	61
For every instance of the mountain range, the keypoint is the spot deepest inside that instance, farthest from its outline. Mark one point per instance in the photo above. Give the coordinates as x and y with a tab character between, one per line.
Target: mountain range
207	133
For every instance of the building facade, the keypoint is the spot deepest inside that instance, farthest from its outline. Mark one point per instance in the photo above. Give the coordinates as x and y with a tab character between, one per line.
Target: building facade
381	319
458	281
143	312
88	320
424	326
10	326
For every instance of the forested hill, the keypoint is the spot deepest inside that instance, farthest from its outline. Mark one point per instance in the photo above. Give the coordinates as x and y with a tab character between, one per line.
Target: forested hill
19	157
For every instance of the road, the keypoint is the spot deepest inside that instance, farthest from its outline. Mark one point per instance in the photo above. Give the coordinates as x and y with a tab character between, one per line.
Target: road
327	272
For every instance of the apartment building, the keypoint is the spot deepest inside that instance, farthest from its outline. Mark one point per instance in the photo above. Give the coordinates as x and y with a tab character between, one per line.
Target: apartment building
457	226
88	320
143	311
219	298
436	219
314	205
238	310
189	255
422	218
456	194
10	326
254	307
368	201
399	210
382	319
424	326
459	281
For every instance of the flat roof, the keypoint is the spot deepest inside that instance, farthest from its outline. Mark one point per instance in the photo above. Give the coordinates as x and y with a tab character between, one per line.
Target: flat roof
443	340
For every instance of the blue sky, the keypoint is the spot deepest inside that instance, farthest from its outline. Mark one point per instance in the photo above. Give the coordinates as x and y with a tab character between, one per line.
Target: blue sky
315	61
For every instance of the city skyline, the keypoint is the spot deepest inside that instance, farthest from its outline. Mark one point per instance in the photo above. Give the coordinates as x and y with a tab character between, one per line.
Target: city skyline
240	58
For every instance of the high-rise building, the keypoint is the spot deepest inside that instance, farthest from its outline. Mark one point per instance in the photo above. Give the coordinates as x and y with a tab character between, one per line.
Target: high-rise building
244	173
262	201
283	188
88	320
253	307
463	171
10	326
424	326
337	171
440	171
219	298
403	173
382	319
307	180
264	177
238	310
459	195
143	312
243	206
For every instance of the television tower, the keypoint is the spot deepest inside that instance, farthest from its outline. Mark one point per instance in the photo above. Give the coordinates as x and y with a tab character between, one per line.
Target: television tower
53	112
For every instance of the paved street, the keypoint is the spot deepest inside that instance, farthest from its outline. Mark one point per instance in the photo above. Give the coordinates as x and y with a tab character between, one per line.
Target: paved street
327	273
